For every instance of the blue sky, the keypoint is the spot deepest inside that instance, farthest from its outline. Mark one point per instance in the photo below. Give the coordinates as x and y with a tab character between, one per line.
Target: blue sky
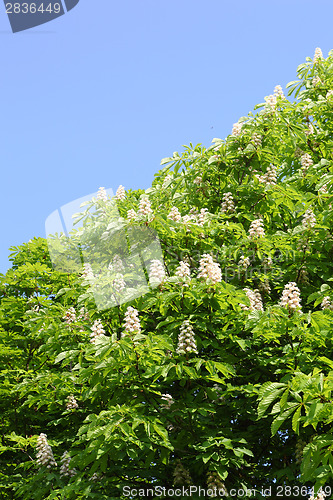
98	96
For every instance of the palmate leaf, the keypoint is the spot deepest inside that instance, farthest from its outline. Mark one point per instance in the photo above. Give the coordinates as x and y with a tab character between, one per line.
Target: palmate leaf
270	392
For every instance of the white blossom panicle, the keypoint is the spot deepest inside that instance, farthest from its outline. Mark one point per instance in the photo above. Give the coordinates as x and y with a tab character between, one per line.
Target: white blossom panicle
71	403
181	476
70	316
267	261
236	129
132	321
326	303
257	139
131	215
120	193
145	206
227	203
156	271
101	194
306	162
119	284
270	176
175	215
186	339
243	263
310	130
304	276
44	452
209	269
278	92
202	217
183	271
315	81
309	219
257	229
323	189
215	484
329	95
271	101
318	55
83	314
198	181
87	272
299	450
320	496
187	218
264	287
96	330
168	401
255	300
64	469
116	265
291	296
166	181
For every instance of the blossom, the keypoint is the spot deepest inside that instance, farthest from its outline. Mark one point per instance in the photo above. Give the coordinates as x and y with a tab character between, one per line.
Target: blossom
227	203
299	450
166	181
198	180
257	139
131	214
87	272
306	162
310	130
71	403
145	206
323	189
168	401
186	339
202	217
291	296
156	271
278	92
183	271
317	55
64	469
175	215
320	496
316	80
309	219
329	95
271	101
215	484
181	476
209	269
243	263
120	193
255	300
116	265
267	261
70	316
326	303
97	330
101	194
270	176
236	129
83	314
257	229
132	321
44	452
119	284
264	286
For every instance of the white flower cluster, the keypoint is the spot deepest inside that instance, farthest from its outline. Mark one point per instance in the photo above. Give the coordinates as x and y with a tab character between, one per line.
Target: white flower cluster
227	203
278	92
315	81
186	339
257	229
306	162
257	139
132	321
198	181
209	269
156	271
320	496
131	215
214	483
271	101
71	403
326	303
291	296
243	263
184	272
310	130
166	181
96	330
175	215
264	287
202	216
101	195
317	55
83	314
267	261
145	206
168	401
255	300
64	469
120	193
304	276
44	452
70	316
181	475
116	265
323	189
309	219
299	450
269	177
119	284
236	129
329	95
87	272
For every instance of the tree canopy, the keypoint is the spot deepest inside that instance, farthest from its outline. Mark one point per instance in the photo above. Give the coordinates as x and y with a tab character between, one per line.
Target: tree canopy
215	368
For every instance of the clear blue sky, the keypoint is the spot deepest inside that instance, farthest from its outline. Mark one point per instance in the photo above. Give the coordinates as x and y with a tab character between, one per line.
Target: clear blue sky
98	96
